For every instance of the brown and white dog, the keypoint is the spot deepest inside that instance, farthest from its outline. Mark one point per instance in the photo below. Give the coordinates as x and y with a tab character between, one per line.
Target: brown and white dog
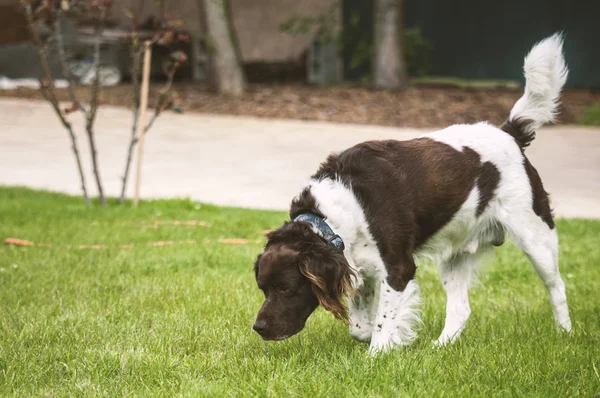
450	195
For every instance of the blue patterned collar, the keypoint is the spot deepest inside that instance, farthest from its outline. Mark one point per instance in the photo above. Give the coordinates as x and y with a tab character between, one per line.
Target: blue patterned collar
323	229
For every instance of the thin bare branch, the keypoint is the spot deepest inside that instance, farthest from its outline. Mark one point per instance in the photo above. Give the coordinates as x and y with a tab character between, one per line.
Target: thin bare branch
135	77
162	98
94	100
62	56
48	91
94	103
158	109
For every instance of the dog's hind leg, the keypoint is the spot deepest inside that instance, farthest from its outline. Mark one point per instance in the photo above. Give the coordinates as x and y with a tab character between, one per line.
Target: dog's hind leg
456	275
538	239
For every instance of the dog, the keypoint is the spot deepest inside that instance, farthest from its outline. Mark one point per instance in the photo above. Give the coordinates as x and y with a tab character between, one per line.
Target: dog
452	195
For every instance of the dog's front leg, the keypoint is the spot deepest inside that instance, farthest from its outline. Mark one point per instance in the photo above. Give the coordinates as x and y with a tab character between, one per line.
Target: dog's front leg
362	308
397	317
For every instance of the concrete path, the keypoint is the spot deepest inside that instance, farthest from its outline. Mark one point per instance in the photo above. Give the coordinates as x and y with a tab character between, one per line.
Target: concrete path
244	161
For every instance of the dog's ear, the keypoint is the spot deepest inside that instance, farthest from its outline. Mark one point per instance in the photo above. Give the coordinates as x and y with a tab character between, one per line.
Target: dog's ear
256	265
331	278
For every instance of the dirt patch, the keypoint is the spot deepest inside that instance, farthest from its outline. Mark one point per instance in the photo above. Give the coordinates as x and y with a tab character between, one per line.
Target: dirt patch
415	107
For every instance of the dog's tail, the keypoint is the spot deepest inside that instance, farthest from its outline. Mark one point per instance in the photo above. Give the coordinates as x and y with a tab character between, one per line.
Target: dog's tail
545	75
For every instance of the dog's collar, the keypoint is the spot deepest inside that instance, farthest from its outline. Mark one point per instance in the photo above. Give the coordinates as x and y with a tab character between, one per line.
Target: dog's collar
323	229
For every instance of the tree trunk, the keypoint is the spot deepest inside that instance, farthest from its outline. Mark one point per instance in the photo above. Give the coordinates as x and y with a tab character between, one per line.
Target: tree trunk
226	68
389	69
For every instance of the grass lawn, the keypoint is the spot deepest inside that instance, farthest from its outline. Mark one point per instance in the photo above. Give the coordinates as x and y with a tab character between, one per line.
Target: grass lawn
143	318
591	115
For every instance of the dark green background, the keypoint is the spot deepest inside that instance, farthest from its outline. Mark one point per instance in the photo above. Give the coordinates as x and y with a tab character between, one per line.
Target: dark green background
488	39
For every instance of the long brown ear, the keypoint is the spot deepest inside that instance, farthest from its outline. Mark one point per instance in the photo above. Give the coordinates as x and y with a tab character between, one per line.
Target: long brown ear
256	265
331	279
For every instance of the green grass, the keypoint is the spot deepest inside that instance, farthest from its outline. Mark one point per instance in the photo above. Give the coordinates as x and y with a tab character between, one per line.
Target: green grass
456	82
591	115
176	320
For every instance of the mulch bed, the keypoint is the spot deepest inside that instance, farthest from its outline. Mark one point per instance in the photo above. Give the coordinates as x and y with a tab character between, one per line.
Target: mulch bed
415	107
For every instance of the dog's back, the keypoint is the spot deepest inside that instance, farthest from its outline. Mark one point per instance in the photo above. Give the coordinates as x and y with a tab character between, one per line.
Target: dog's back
451	189
519	189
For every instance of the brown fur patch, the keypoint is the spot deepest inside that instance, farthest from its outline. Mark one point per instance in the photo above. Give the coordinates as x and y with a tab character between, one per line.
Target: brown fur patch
541	201
489	178
409	190
517	128
324	266
332	297
304	203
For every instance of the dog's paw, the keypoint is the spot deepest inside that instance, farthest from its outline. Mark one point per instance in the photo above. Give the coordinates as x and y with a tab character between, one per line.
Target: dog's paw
381	343
361	333
565	327
439	343
445	340
377	349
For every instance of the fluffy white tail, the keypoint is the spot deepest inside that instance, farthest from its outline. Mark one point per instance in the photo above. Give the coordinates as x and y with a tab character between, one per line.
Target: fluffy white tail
545	75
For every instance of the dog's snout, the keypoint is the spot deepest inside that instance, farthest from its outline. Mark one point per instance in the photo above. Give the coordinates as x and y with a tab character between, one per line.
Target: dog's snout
260	326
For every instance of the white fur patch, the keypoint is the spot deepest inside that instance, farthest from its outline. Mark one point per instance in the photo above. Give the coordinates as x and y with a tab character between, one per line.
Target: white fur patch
545	75
362	308
457	275
346	218
388	318
397	317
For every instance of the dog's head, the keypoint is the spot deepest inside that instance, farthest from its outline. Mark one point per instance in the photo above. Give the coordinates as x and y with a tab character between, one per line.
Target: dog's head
296	272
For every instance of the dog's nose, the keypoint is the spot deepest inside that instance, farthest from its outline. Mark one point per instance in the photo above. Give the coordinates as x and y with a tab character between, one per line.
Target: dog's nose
260	326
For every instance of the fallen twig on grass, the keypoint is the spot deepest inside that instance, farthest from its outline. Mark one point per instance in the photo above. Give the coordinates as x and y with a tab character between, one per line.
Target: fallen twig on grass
225	241
190	223
18	242
159	223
